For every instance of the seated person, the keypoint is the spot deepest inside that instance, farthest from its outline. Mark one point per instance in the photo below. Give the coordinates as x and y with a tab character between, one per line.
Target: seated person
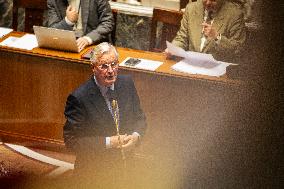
215	27
92	22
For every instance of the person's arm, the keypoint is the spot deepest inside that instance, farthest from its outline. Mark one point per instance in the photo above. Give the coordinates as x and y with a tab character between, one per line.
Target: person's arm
55	20
182	38
106	22
233	40
77	135
138	124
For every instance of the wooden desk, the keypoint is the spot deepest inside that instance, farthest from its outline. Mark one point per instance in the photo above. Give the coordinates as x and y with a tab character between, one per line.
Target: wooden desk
182	110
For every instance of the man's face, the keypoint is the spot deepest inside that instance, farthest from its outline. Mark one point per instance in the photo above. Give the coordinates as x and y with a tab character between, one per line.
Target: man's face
212	5
106	69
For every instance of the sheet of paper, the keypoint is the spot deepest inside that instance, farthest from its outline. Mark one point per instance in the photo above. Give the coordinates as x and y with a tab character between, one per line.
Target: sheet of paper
143	64
9	41
187	66
28	42
205	60
4	31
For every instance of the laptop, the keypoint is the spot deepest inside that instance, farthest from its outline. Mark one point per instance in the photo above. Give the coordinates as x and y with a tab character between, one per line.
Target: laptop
58	39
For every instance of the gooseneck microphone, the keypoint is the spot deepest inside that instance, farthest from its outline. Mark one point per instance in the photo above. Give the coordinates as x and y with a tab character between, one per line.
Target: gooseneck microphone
112	96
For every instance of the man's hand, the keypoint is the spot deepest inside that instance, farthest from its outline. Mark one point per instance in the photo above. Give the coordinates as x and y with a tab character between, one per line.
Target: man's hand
209	31
82	43
167	53
71	14
116	141
130	141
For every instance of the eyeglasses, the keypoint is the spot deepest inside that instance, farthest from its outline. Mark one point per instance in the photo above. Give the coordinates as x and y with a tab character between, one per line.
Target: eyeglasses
113	65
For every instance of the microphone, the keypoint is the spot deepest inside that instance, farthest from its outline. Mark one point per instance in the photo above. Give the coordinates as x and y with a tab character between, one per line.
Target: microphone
112	96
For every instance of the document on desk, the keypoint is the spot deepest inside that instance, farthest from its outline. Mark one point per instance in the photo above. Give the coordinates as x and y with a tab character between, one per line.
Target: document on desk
197	63
4	31
28	42
141	63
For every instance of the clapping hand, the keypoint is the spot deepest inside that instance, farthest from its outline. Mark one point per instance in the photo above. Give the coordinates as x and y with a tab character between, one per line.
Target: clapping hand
71	14
129	142
209	31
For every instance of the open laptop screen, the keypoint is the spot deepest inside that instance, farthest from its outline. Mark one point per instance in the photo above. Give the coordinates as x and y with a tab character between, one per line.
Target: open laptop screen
58	39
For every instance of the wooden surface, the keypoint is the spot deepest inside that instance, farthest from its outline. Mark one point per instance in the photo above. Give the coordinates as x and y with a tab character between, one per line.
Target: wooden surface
179	107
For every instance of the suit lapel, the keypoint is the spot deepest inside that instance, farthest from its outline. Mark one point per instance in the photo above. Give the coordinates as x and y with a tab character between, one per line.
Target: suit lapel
98	101
85	4
62	6
196	19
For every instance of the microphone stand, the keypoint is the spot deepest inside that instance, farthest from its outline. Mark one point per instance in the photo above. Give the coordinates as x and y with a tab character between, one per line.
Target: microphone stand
115	115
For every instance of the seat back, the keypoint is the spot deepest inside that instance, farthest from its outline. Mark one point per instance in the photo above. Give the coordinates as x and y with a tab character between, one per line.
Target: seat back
113	32
34	10
170	20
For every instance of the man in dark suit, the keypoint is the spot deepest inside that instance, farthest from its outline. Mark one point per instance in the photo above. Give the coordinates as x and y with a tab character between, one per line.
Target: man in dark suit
92	20
90	129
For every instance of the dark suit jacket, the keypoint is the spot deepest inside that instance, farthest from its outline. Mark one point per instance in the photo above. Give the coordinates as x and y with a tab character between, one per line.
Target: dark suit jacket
97	19
89	120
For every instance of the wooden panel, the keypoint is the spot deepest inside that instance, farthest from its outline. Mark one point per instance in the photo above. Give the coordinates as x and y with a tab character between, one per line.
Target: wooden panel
33	13
170	20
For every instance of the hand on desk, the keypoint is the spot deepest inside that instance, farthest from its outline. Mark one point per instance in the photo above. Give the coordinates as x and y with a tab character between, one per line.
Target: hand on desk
167	53
82	43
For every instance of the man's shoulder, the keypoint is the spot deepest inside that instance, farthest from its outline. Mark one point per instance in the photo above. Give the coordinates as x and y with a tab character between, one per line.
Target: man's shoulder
123	80
83	88
193	6
232	8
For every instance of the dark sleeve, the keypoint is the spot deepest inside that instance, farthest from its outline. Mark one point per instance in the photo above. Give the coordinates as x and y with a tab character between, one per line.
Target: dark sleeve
232	42
106	22
55	19
139	119
78	136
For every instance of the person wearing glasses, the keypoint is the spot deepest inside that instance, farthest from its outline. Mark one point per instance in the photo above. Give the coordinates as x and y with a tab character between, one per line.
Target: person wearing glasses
91	20
90	129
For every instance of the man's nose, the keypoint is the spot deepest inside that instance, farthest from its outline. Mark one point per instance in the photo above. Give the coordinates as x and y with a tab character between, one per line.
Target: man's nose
208	2
110	69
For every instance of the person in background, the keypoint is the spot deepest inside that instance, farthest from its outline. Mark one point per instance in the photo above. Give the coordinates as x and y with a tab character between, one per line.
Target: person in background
5	11
91	20
103	155
215	27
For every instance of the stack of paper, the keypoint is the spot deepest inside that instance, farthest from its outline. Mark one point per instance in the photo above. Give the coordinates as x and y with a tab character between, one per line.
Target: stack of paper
4	31
197	63
141	63
28	42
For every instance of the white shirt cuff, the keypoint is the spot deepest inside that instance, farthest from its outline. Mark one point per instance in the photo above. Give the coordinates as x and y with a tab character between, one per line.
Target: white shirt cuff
90	41
69	22
135	133
108	143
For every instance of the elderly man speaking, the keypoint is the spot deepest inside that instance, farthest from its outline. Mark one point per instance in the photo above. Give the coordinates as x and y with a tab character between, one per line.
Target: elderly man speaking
104	121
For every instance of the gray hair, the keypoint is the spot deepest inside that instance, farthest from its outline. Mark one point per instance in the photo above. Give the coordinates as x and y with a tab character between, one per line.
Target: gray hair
101	49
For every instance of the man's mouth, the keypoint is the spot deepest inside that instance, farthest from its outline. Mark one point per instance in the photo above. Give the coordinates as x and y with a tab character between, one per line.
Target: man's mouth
110	77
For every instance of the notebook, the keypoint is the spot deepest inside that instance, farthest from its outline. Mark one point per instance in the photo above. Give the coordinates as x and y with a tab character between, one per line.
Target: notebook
58	39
